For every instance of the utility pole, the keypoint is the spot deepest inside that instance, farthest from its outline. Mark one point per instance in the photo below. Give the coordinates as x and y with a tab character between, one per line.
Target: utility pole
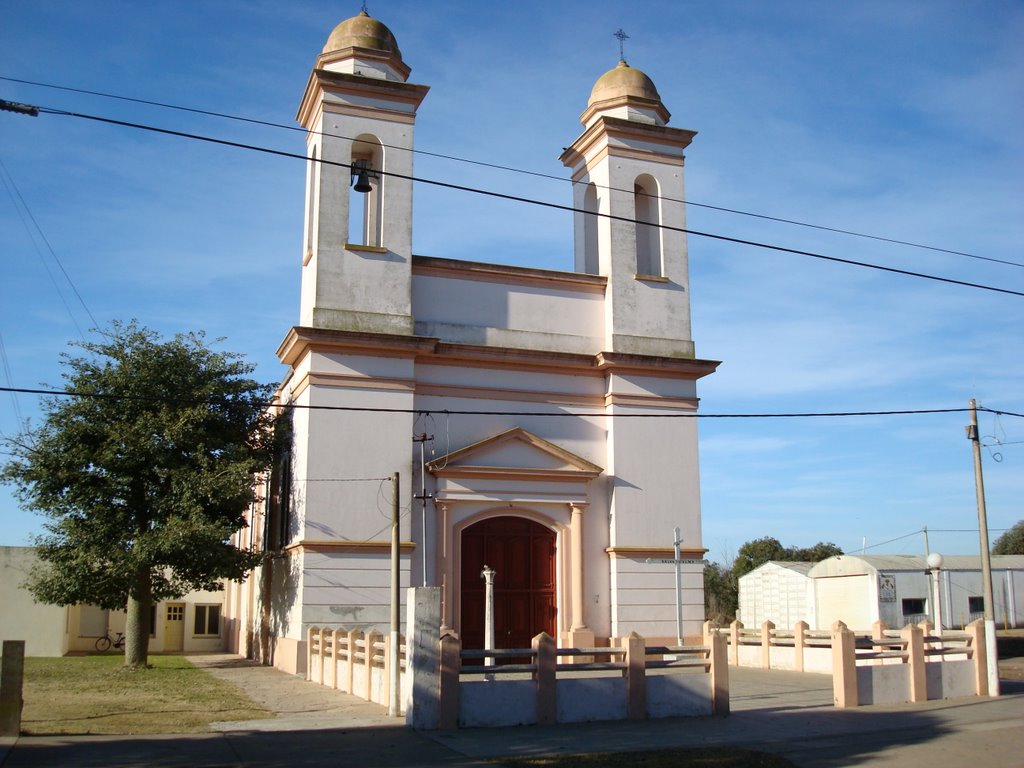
423	497
393	661
986	563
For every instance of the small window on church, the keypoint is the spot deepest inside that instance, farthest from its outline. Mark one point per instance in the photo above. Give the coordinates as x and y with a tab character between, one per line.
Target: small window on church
648	234
365	213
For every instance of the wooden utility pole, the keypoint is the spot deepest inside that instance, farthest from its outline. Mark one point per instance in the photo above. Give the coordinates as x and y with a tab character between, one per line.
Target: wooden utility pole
986	563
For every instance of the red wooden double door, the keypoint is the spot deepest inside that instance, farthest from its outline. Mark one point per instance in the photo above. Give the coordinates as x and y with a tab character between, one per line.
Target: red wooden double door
522	554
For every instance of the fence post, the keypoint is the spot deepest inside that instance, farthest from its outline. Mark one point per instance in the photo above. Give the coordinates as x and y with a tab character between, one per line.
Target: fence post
878	630
799	640
320	652
913	636
708	628
309	652
719	672
12	677
386	698
844	666
370	639
448	683
544	678
334	658
353	637
636	689
734	642
979	655
425	700
766	644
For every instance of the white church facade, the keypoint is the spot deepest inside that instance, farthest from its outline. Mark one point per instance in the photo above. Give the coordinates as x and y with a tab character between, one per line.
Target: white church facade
558	405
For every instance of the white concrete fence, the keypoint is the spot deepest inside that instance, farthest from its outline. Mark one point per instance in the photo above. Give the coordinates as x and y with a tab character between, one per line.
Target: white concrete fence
444	686
563	685
883	667
352	661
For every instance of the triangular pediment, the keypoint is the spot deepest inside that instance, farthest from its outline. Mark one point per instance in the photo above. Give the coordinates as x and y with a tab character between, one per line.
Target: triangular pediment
515	453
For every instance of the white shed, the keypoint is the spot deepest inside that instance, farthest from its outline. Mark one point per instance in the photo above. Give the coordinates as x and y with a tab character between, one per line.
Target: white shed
778	591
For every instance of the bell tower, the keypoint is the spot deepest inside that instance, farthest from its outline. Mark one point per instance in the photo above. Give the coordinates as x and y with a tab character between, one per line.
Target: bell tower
359	113
627	167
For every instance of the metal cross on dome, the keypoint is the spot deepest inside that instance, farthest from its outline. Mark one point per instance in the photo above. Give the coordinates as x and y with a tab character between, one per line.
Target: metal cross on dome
623	37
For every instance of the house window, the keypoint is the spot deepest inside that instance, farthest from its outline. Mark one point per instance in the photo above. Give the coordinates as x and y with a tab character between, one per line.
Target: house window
913	606
207	620
976	604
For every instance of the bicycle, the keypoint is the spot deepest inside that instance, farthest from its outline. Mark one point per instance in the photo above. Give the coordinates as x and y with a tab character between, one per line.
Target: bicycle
104	643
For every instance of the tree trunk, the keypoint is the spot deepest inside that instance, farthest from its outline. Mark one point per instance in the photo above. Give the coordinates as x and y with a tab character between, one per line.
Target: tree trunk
136	631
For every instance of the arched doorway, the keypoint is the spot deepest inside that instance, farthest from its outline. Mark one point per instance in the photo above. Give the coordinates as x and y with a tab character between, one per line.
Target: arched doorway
522	552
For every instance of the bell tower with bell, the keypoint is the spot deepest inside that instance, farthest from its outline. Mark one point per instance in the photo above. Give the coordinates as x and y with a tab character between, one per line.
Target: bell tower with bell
359	113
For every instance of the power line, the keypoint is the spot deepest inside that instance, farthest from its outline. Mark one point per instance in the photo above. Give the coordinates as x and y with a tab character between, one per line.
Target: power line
562	414
512	169
9	180
531	201
890	541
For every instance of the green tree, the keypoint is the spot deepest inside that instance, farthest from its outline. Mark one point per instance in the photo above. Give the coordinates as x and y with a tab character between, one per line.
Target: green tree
720	593
143	474
1011	542
820	551
756	553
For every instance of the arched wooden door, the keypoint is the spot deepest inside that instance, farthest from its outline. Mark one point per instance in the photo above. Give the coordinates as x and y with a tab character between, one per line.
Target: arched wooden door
522	553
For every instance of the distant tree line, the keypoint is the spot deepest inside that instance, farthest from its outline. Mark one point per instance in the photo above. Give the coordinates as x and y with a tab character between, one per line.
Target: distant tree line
1011	542
721	582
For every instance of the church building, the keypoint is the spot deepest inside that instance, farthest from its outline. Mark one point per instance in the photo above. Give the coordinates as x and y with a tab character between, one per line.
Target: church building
540	421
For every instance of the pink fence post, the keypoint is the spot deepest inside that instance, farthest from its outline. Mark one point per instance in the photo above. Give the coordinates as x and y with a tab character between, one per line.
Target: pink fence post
913	636
636	682
370	640
979	655
310	631
335	639
734	642
320	652
709	629
766	644
545	661
800	630
448	685
844	666
386	698
353	638
719	671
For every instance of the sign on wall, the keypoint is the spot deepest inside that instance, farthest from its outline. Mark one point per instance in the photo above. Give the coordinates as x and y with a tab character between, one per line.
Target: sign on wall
886	588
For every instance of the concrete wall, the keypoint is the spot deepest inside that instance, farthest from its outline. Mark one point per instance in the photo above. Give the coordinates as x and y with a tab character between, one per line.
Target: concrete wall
41	626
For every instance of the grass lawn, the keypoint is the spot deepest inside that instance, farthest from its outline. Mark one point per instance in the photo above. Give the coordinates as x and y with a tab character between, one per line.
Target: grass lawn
705	757
96	694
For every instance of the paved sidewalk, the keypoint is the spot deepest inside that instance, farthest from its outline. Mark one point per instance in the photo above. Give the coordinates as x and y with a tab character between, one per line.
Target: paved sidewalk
782	712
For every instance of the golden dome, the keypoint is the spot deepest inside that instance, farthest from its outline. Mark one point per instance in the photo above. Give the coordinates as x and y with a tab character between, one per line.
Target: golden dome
622	82
362	31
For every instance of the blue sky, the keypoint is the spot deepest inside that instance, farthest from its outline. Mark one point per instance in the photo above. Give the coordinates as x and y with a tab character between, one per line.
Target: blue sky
900	120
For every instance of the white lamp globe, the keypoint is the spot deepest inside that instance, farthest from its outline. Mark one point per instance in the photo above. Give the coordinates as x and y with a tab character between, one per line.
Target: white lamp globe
935	560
